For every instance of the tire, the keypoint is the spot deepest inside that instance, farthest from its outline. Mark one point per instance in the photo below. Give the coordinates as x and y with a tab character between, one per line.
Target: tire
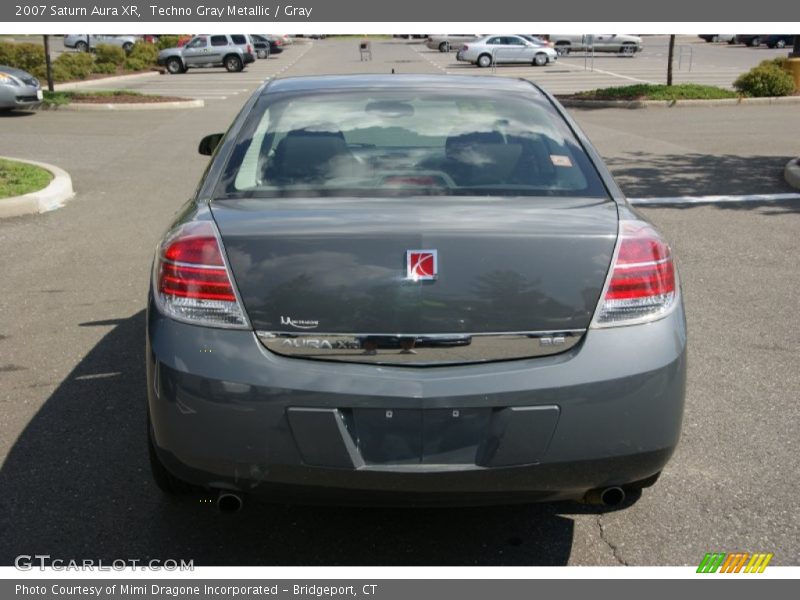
233	64
780	44
484	60
540	59
81	46
444	47
628	49
127	46
562	48
262	54
714	39
755	42
174	66
166	481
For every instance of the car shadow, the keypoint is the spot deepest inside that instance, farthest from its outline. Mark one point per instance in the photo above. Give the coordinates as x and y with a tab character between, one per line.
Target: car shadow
76	484
16	113
644	175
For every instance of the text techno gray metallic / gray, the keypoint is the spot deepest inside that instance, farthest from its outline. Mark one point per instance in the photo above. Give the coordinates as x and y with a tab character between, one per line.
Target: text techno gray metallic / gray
408	289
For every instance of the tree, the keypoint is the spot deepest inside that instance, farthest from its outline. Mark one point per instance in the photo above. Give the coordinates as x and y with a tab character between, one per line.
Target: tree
48	65
670	56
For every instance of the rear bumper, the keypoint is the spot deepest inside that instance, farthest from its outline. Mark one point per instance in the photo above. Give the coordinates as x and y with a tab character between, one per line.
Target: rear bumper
227	413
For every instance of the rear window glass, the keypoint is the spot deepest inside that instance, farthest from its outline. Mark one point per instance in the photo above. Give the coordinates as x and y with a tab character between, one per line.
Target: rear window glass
219	40
387	143
238	39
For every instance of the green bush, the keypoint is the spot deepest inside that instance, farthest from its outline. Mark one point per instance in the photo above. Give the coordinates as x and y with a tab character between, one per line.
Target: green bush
136	64
106	54
765	80
104	68
144	52
25	56
168	41
72	65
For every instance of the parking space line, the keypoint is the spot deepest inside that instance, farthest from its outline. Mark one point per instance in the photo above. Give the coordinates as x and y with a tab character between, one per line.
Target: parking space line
673	200
604	72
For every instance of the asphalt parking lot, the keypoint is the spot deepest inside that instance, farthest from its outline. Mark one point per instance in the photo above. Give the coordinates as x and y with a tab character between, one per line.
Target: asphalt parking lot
74	481
695	61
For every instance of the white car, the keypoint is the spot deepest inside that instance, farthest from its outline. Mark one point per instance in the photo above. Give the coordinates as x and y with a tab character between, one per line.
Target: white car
84	42
597	42
502	49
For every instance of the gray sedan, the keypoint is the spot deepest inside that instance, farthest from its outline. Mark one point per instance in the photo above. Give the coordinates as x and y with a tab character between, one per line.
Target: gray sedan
501	49
18	89
407	289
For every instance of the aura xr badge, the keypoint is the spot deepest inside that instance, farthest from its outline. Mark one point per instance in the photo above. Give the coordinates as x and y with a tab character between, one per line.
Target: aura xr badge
422	265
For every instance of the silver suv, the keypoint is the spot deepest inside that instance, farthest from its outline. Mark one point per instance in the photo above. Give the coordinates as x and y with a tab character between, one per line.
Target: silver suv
218	50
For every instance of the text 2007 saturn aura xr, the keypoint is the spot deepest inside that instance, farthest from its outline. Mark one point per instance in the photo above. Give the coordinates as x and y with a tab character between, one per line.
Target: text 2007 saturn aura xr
411	289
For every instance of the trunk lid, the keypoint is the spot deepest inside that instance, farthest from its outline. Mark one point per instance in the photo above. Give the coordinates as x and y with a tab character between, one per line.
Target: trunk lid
338	266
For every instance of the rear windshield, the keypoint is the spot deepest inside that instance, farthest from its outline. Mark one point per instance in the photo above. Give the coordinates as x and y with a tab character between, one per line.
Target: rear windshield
390	142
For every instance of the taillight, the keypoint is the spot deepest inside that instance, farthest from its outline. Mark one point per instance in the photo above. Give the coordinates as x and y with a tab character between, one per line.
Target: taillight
465	47
192	282
642	285
249	49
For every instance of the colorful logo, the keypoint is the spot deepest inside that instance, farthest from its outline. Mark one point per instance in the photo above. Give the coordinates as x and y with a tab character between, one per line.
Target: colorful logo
422	265
736	562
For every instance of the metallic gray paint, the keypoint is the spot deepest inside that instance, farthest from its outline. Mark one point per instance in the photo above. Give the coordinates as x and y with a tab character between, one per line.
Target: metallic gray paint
220	403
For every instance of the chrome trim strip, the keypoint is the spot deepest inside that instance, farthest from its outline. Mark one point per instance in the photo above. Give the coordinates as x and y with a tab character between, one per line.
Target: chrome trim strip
416	350
320	334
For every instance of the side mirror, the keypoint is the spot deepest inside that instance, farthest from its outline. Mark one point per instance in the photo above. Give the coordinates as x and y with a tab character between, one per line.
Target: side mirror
209	143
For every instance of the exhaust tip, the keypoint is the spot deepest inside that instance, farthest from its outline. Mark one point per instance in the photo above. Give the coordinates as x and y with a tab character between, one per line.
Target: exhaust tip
610	496
229	502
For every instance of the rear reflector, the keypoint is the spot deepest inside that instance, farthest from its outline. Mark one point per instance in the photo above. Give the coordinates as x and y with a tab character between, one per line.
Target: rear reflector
642	286
192	281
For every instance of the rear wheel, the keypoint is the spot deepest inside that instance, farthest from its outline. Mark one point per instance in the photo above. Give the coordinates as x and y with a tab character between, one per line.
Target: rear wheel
540	59
780	44
628	49
81	46
444	47
127	46
175	66
714	39
262	54
562	48
756	41
233	63
484	60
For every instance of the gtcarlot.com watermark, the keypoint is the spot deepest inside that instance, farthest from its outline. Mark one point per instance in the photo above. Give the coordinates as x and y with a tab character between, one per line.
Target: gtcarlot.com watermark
29	562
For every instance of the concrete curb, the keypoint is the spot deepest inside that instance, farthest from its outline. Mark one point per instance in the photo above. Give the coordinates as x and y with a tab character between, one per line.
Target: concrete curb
89	107
575	103
791	173
74	85
50	198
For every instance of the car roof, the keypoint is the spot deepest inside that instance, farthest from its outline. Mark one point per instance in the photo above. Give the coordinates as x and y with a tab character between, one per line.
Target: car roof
400	81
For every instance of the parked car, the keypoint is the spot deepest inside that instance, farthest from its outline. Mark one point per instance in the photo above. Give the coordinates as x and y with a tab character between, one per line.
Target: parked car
599	42
750	39
718	37
344	218
84	42
506	49
275	44
261	45
449	41
779	41
18	89
233	52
